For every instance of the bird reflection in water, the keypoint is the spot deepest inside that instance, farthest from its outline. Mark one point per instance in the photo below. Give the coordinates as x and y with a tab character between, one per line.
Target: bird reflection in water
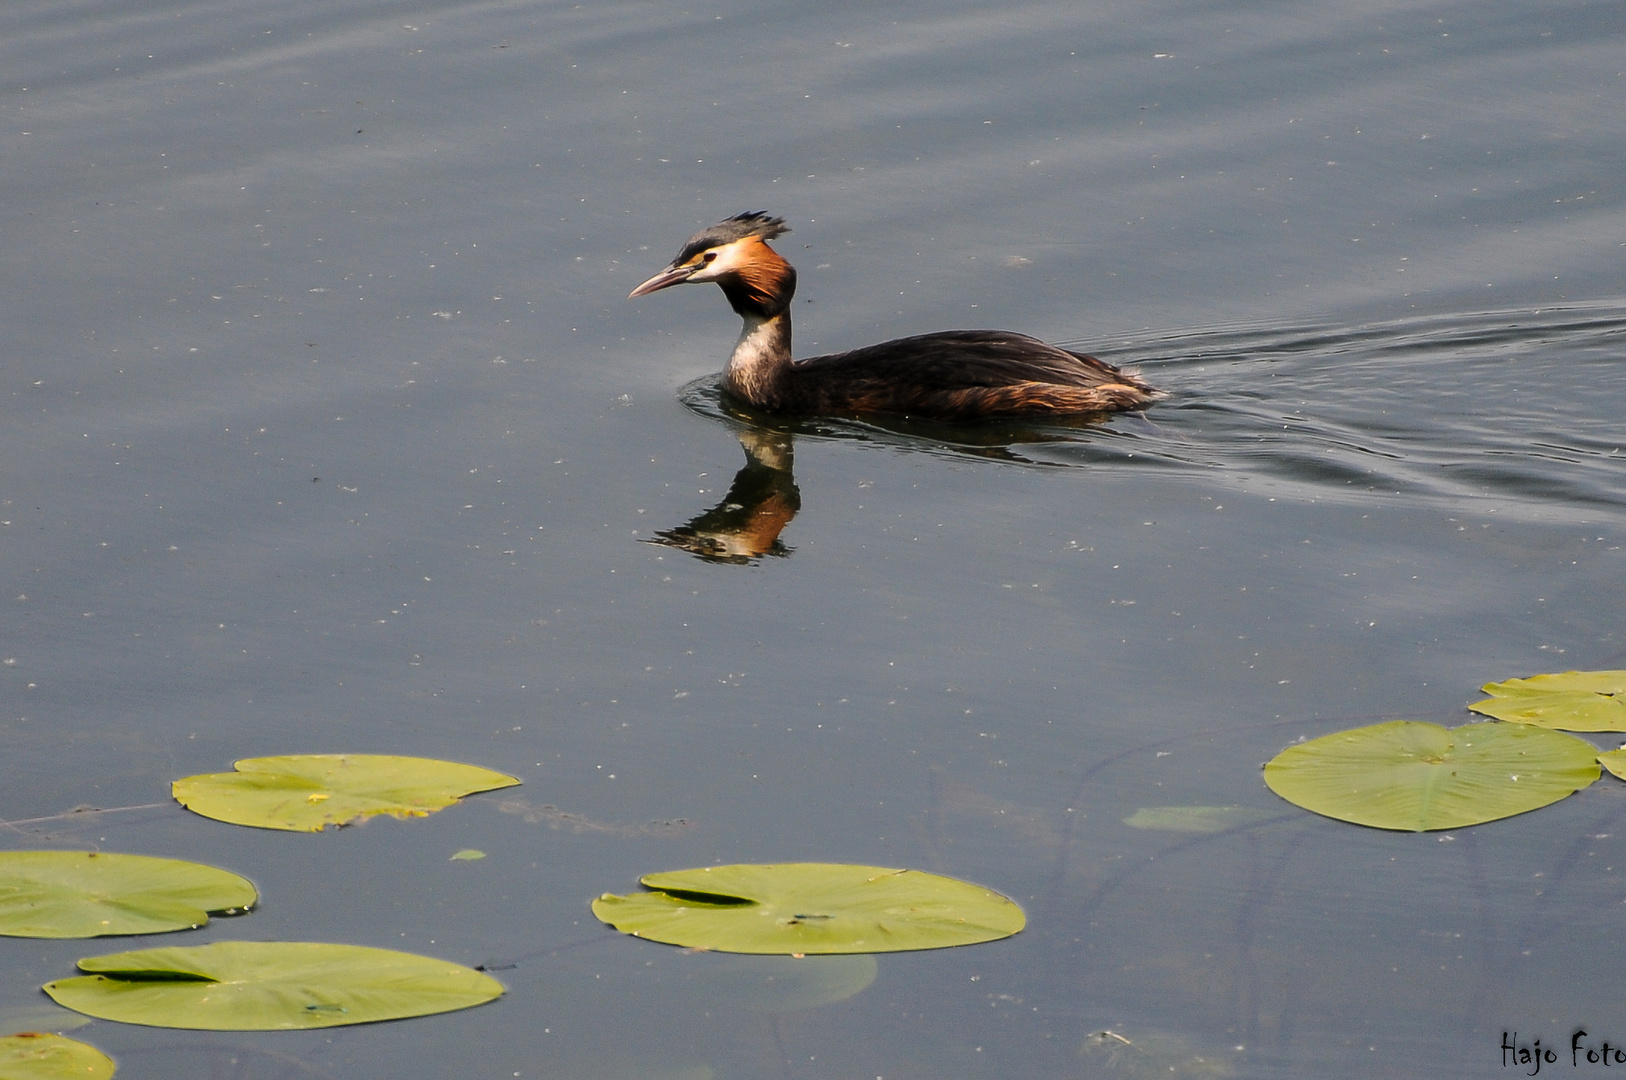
760	502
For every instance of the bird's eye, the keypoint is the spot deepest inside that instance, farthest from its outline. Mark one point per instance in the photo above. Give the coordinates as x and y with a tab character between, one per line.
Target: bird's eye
710	256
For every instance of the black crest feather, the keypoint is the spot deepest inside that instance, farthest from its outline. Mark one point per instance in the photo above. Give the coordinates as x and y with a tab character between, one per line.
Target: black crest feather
754	223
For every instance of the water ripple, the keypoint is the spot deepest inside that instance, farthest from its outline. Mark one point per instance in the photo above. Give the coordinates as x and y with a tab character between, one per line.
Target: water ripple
1511	412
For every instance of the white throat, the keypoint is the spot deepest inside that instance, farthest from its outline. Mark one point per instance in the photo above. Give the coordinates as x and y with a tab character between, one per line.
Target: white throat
762	350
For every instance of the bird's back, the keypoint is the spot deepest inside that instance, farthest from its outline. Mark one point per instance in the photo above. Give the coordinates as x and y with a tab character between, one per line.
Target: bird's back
962	374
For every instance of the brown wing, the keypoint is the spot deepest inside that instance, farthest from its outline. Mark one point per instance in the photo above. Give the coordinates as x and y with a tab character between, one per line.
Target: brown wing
964	372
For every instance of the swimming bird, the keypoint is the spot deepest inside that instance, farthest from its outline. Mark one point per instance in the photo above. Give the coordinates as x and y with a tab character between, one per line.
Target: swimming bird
949	375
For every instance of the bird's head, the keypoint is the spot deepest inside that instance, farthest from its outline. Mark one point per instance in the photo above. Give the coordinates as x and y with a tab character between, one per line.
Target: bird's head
734	255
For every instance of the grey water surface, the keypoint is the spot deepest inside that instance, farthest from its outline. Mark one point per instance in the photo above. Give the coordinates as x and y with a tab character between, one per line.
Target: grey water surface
327	428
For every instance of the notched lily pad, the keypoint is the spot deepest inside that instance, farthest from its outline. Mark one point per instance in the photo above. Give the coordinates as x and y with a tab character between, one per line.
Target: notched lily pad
1614	761
1571	701
1415	776
308	792
269	986
35	1055
810	908
83	894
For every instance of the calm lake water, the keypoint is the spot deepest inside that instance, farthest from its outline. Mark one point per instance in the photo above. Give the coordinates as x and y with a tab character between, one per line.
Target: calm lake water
327	428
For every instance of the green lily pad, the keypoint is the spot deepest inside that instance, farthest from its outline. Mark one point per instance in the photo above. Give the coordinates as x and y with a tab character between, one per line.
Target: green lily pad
34	1055
809	908
82	894
308	792
269	986
1572	701
1193	819
1409	775
1614	761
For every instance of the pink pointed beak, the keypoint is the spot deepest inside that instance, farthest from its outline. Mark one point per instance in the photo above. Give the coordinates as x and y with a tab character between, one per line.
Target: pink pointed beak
672	275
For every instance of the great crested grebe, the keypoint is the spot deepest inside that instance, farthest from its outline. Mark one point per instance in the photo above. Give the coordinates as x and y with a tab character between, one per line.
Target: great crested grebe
951	375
